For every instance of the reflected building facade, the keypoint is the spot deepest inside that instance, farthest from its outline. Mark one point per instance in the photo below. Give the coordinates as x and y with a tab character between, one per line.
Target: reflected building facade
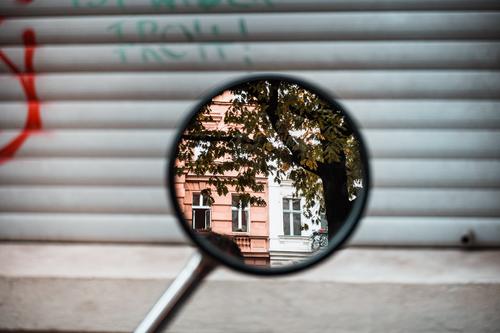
277	234
246	225
290	231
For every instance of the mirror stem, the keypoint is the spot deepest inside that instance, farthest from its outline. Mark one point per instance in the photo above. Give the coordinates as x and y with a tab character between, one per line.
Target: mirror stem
162	313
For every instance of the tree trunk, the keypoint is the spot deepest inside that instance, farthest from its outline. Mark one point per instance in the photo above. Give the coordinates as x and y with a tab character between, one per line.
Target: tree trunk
333	175
336	195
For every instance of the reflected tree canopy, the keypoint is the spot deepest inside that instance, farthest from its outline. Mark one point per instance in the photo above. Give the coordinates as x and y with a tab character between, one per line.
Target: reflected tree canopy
278	129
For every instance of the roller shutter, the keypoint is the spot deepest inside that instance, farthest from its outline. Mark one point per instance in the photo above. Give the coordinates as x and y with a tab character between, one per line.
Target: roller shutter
91	92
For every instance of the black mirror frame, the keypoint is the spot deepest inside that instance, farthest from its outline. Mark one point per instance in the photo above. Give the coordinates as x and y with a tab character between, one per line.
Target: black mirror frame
334	244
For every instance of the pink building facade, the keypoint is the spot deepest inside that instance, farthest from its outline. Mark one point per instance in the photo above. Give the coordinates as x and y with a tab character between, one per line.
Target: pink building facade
248	226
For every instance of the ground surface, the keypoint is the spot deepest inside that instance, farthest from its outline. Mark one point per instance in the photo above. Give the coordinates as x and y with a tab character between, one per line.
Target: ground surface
108	288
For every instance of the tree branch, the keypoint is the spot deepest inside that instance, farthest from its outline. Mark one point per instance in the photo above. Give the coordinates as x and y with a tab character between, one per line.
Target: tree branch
284	135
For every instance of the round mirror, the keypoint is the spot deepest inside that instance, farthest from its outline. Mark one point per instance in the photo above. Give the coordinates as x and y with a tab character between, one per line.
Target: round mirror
269	175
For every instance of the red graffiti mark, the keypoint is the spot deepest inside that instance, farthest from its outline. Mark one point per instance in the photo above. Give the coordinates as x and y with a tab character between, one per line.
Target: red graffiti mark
25	2
27	80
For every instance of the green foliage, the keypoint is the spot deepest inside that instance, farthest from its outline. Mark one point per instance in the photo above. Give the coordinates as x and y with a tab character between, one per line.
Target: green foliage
271	128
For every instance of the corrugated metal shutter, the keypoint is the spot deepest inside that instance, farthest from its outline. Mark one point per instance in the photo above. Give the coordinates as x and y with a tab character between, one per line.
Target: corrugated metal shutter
112	79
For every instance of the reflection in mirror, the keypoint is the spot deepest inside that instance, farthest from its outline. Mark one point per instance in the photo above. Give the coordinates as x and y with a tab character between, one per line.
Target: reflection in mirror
270	166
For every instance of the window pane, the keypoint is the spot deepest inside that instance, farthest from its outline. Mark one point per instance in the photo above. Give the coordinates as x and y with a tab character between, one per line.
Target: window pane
296	204
286	206
207	218
286	223
296	224
235	201
235	220
244	205
244	222
196	199
205	200
324	222
199	218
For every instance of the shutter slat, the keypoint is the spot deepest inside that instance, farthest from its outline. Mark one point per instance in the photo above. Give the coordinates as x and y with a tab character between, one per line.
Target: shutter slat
427	231
155	200
371	84
397	143
257	27
86	7
137	200
104	114
426	114
404	231
379	231
259	56
95	227
151	172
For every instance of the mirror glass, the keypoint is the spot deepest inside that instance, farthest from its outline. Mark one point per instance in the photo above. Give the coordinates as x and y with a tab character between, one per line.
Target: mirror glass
268	171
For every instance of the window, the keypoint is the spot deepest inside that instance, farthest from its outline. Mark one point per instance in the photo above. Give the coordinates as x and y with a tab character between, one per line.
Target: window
324	222
201	212
291	217
239	213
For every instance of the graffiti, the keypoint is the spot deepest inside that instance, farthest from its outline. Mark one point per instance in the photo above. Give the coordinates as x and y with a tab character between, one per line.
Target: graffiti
175	4
97	3
147	29
204	52
27	80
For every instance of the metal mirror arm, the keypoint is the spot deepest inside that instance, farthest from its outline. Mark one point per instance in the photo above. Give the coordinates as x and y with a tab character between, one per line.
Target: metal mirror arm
162	313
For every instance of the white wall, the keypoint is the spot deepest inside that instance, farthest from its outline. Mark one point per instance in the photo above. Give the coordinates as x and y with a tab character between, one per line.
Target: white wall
278	242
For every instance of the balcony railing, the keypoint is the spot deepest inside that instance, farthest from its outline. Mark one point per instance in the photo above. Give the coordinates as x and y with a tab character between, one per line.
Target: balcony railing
319	239
243	242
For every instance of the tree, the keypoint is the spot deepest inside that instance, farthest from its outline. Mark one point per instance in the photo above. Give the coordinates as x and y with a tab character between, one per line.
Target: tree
276	128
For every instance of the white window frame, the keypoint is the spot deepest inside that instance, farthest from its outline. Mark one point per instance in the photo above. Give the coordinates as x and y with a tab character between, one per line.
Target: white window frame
240	210
289	210
199	205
